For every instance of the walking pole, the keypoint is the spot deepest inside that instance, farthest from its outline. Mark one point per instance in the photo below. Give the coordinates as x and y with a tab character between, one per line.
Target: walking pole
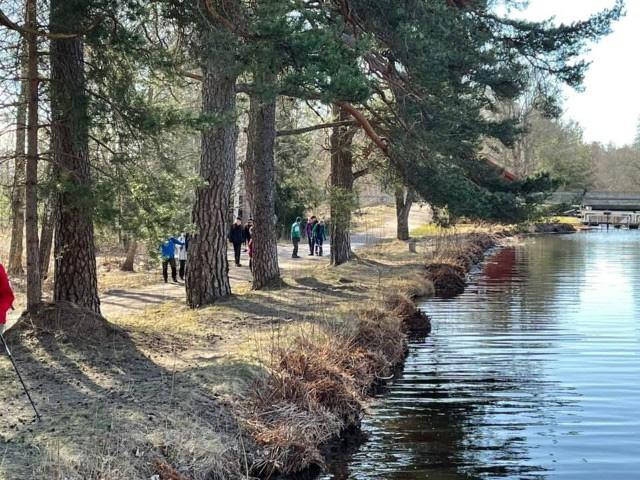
6	347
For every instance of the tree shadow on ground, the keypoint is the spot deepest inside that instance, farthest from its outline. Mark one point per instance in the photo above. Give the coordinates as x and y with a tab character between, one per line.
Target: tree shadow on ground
274	312
324	288
102	400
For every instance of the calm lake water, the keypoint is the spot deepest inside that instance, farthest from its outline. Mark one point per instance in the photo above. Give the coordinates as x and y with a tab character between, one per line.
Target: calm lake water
533	373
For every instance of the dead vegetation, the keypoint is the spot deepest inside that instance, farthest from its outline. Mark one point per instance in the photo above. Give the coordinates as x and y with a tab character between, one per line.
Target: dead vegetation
452	259
554	227
413	319
255	385
316	388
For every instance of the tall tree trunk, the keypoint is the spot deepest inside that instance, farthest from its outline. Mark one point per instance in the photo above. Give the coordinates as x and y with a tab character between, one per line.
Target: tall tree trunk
49	220
18	190
34	284
405	197
75	278
259	173
342	196
127	265
208	268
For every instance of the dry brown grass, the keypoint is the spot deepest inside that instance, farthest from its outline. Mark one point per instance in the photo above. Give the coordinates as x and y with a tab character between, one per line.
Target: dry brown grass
170	388
453	257
413	319
316	388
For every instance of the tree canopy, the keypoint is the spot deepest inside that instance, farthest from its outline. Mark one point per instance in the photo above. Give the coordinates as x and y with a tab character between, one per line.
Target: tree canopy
418	89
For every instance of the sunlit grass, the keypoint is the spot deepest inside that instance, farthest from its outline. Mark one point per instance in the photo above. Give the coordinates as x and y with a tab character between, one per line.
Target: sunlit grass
565	219
432	230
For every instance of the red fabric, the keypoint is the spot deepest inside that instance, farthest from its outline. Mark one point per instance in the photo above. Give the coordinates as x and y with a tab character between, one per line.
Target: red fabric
6	295
250	246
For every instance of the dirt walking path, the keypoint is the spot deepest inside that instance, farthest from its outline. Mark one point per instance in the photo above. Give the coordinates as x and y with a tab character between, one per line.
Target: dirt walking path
372	226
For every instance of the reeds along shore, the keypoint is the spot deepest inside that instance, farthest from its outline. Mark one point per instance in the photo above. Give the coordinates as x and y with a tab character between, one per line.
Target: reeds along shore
317	387
453	260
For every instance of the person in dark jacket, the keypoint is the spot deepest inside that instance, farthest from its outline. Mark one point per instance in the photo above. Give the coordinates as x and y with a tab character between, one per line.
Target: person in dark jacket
247	233
236	237
168	253
250	247
319	236
311	222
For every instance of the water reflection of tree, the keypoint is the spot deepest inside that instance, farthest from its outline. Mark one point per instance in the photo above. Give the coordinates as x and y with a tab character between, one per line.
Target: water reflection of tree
533	290
442	420
474	392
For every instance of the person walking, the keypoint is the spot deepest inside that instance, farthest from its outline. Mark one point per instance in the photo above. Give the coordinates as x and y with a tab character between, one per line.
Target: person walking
296	233
6	297
236	237
319	236
182	255
311	222
168	253
247	233
250	247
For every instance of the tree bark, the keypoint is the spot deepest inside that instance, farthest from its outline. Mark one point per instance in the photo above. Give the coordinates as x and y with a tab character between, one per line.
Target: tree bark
405	197
207	265
46	237
342	197
34	284
75	277
127	265
259	171
18	190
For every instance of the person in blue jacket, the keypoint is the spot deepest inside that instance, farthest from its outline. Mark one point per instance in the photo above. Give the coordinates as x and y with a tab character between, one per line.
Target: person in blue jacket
168	253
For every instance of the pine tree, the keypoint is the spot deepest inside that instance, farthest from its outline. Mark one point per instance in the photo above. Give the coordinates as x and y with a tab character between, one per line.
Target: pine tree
260	180
442	94
75	277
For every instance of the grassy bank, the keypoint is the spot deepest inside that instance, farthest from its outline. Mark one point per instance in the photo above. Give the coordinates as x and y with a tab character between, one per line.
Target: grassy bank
250	387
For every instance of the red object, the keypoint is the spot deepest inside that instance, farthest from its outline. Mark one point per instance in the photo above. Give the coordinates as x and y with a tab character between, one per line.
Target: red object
506	174
250	247
6	295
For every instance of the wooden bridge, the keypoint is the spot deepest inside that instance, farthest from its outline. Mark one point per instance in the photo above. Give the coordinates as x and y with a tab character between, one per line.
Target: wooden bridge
606	208
603	208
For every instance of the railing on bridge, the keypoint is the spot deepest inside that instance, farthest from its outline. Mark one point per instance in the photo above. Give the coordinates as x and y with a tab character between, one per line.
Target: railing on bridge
611	208
619	209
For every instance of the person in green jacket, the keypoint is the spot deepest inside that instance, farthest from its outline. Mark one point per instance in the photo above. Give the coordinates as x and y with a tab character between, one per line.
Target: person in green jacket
296	233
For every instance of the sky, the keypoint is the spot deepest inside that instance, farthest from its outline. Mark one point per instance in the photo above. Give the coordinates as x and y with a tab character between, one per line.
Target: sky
609	107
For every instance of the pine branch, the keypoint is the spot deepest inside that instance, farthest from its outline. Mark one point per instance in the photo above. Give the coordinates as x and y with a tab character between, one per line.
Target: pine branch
298	131
381	142
22	30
